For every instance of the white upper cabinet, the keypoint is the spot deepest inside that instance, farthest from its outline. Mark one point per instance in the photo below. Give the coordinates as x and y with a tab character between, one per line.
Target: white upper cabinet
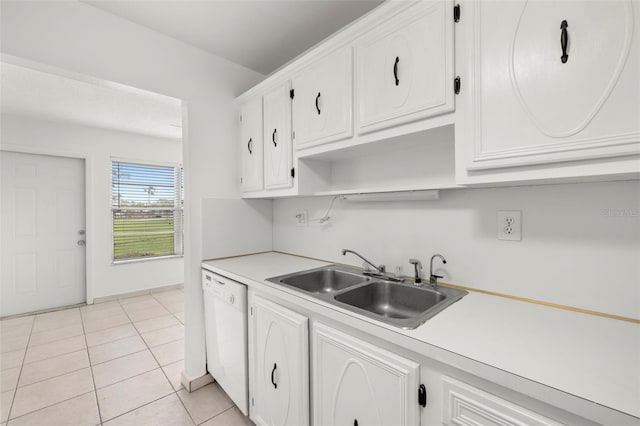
404	67
251	145
357	383
279	365
322	102
550	81
277	138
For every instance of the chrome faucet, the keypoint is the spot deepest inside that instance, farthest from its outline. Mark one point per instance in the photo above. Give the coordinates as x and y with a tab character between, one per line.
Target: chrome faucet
381	268
382	272
433	279
418	271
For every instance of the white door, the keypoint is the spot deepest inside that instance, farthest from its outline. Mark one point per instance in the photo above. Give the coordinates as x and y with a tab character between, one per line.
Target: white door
279	366
356	383
277	138
42	232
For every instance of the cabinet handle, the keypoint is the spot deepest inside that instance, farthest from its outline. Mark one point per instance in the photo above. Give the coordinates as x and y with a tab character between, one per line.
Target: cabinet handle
273	137
564	41
395	70
317	106
273	372
249	146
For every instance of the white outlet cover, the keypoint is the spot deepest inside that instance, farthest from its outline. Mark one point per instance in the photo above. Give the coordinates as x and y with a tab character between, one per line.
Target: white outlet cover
510	225
302	218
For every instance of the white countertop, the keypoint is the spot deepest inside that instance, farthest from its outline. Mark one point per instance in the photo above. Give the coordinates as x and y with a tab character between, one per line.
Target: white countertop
592	357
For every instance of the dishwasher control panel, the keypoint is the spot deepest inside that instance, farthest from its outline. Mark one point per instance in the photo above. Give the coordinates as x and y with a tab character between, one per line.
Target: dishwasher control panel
229	291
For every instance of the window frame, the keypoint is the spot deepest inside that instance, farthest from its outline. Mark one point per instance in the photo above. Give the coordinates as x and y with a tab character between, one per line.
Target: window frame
178	231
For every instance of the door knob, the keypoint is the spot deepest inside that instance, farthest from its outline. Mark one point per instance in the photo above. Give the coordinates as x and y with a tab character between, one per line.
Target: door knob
82	242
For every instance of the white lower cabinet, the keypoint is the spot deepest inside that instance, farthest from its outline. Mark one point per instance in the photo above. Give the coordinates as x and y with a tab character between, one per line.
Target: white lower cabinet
278	364
470	406
358	384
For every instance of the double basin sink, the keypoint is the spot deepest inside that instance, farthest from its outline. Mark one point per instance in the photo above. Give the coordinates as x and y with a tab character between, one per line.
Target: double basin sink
400	304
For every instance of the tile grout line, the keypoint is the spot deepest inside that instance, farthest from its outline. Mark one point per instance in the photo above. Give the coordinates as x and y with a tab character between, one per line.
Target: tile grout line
93	379
219	414
51	405
172	313
160	366
206	420
90	366
15	391
58	355
59	375
144	405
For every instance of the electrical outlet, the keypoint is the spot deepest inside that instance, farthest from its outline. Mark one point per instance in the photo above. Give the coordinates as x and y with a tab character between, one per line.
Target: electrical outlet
301	218
510	225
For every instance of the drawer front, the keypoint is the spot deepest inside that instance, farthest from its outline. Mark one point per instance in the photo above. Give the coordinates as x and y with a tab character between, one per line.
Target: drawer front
469	406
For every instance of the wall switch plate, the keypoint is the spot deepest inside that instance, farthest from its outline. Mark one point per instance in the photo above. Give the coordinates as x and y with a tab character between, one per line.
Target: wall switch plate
301	218
510	225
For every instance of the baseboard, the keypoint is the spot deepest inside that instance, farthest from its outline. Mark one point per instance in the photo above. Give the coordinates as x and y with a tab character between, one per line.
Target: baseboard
138	293
196	383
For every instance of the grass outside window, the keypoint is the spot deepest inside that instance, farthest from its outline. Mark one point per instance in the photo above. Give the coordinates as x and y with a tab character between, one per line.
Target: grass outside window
146	211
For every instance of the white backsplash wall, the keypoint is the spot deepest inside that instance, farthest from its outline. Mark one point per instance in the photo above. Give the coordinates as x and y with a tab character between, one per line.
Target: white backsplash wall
232	227
580	242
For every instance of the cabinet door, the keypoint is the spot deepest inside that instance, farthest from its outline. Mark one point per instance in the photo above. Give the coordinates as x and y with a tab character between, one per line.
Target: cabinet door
251	145
277	138
279	374
553	81
323	101
356	383
467	405
404	69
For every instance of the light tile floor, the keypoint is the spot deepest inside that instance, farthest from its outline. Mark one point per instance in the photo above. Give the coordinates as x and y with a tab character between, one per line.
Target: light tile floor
112	363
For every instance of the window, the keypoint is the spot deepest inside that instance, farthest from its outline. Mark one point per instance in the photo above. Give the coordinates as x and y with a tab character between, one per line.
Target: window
147	210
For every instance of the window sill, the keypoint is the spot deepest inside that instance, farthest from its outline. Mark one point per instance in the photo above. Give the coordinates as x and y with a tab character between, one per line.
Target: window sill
145	259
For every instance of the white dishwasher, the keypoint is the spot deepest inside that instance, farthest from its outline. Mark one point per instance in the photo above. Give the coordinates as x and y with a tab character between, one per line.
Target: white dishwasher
225	313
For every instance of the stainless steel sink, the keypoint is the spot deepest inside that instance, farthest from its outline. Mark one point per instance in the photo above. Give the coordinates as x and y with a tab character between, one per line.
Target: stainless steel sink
322	280
391	300
402	305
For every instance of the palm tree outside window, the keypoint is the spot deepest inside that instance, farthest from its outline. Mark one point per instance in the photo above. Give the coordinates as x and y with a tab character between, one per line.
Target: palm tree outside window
147	212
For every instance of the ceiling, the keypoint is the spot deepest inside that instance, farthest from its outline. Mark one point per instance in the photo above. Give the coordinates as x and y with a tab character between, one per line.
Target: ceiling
88	102
261	35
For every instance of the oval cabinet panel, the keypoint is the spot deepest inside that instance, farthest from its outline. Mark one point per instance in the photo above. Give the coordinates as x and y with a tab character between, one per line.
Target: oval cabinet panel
562	89
251	145
277	138
550	81
275	376
357	383
322	100
278	365
404	68
355	398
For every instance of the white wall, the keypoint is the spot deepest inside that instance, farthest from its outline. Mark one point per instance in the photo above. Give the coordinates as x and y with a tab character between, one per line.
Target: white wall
580	245
80	38
232	227
97	147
